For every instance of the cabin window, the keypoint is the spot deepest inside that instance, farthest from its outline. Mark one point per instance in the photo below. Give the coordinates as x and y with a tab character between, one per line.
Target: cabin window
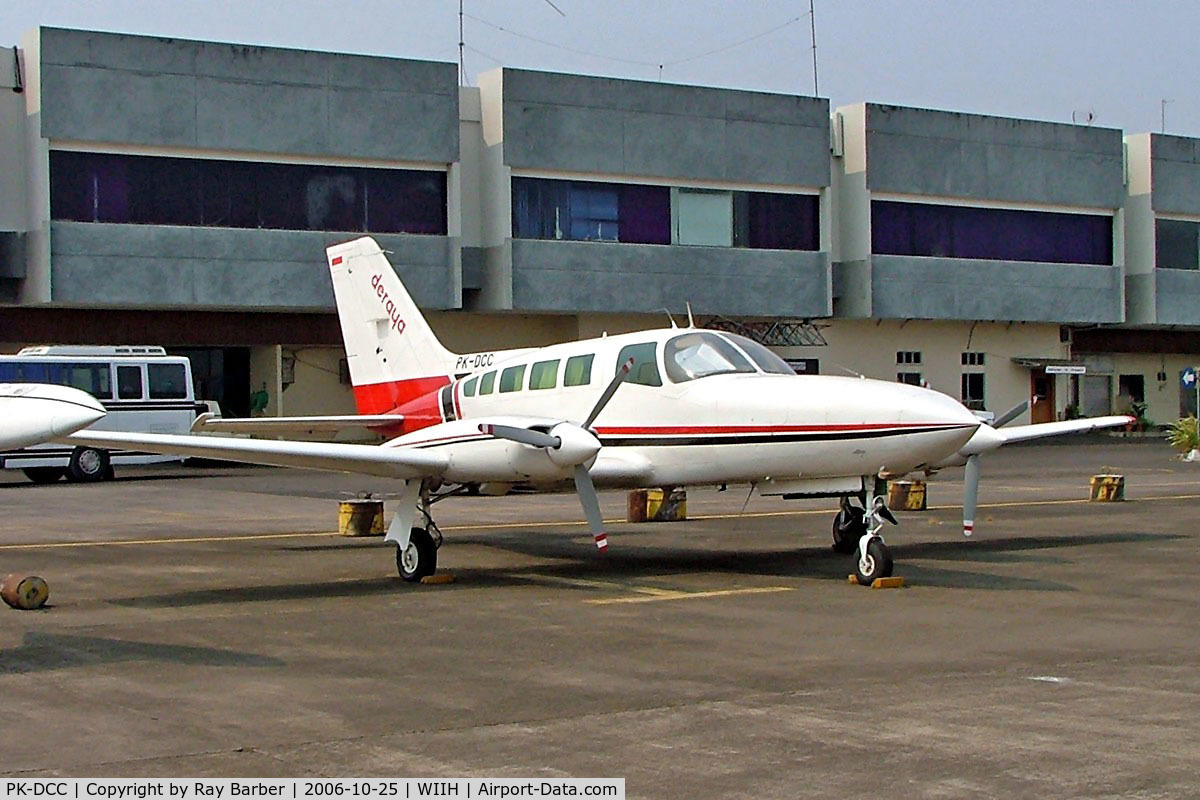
645	363
487	382
578	371
700	354
167	381
469	387
767	361
512	378
544	375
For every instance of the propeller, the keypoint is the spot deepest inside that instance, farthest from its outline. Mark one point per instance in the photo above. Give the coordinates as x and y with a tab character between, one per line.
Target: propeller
970	493
1010	415
569	444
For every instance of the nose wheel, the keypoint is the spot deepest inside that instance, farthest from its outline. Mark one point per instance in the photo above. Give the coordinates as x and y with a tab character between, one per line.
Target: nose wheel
874	560
857	530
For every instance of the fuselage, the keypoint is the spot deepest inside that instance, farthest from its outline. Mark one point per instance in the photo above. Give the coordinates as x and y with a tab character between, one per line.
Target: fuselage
34	412
698	407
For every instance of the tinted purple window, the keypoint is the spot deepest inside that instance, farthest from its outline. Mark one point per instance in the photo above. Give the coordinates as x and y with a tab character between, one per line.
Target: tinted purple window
778	221
555	209
645	214
95	187
919	229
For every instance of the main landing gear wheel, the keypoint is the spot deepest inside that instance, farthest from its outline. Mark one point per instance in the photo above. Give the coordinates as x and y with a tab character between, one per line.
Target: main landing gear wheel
877	563
88	465
848	528
419	558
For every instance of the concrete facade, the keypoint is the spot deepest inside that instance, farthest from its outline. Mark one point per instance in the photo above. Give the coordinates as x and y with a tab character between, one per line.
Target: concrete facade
918	155
102	92
1164	184
618	131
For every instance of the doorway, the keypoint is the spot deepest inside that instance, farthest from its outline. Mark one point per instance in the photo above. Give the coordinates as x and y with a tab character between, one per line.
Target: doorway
1041	397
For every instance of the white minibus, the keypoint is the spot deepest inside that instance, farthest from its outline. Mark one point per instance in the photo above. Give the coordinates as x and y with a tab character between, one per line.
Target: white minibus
142	388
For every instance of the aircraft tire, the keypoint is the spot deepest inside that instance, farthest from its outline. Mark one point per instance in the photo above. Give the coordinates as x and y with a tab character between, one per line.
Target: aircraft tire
419	559
879	558
44	474
845	537
88	465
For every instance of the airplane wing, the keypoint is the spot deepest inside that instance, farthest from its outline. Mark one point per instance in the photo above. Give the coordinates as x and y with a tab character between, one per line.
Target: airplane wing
210	423
365	459
1023	433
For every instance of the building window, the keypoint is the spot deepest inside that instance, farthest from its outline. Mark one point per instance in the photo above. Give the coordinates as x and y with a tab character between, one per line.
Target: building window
153	190
1176	244
911	378
972	359
921	229
582	210
908	356
642	214
703	218
972	390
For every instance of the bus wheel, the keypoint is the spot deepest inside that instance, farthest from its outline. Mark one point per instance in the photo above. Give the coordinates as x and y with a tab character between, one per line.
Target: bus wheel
88	465
44	474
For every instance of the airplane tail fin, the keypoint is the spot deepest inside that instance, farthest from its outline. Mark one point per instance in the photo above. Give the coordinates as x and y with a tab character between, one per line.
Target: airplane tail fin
394	355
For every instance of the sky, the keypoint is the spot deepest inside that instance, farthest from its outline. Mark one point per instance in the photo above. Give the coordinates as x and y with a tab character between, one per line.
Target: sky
1112	61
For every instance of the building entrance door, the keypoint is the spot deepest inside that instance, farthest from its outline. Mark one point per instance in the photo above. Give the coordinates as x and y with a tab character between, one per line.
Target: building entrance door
1041	397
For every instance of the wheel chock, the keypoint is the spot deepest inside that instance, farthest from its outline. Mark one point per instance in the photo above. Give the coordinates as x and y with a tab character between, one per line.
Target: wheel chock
888	583
439	578
878	583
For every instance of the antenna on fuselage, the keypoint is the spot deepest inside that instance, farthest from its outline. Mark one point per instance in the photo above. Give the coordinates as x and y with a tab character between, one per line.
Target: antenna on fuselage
668	311
691	320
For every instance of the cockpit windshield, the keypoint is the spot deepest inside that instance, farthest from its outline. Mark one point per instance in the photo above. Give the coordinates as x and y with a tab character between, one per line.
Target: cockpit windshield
766	360
700	354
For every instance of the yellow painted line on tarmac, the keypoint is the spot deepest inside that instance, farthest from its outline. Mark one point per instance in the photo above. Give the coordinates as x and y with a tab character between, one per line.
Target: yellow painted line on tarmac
528	525
186	540
670	595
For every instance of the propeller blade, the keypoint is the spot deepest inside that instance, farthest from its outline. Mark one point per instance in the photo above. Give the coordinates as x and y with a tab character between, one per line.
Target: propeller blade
1010	415
591	505
522	435
609	391
970	494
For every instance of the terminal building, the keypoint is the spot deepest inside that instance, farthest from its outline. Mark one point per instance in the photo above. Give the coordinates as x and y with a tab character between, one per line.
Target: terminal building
182	193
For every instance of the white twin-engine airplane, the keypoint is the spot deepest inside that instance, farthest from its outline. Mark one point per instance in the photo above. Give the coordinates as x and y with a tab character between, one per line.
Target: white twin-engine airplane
31	413
668	407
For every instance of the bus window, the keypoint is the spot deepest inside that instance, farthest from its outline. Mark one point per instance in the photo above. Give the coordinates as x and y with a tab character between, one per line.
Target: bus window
645	363
544	375
487	382
91	378
469	387
578	371
512	378
167	381
129	383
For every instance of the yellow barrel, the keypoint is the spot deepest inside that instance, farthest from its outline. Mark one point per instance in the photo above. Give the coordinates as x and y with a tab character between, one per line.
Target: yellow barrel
1107	489
906	495
361	517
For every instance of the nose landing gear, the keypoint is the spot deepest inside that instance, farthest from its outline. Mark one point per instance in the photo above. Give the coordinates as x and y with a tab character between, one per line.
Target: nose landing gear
856	530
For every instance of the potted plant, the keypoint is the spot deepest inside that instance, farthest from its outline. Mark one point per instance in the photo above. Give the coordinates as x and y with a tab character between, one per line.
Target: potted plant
1185	438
